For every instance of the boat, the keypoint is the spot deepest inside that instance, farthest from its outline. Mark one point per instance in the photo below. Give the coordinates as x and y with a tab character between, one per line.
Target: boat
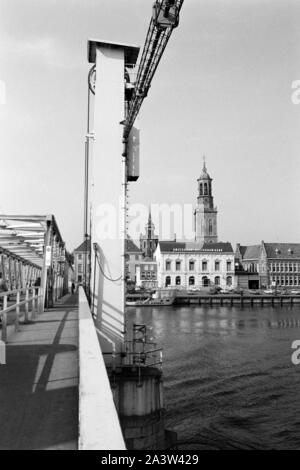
150	302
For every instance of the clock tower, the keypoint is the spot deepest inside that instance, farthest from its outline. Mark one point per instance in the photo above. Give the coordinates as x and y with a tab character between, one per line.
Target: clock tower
205	212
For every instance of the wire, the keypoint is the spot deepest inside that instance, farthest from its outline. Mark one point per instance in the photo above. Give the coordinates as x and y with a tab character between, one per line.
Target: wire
101	269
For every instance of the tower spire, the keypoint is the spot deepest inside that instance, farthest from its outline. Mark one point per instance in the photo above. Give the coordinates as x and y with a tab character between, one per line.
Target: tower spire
149	216
204	164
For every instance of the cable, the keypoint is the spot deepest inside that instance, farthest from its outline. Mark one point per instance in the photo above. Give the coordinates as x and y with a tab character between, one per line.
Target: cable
101	269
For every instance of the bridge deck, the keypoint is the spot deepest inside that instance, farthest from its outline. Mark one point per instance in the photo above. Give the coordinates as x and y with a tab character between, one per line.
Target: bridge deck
39	383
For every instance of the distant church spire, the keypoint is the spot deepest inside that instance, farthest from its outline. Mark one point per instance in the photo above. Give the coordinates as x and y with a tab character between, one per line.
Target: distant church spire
148	241
204	164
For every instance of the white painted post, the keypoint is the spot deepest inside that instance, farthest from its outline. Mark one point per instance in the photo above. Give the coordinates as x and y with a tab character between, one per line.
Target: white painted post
46	261
33	314
2	352
26	319
17	322
4	320
40	300
107	189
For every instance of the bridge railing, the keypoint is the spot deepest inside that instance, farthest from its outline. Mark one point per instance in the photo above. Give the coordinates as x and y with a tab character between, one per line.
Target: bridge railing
99	427
32	300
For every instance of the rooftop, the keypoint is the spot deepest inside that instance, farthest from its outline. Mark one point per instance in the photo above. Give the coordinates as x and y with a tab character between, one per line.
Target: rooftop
131	51
84	246
173	246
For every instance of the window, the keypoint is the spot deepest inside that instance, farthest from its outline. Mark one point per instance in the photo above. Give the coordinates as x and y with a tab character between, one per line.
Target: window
217	280
168	265
79	257
228	264
210	229
178	265
80	268
201	190
178	280
79	278
168	281
136	257
229	281
191	265
204	265
217	265
205	189
205	281
191	281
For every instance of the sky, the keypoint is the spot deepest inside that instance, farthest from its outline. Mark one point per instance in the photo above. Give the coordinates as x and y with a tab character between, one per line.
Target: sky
222	89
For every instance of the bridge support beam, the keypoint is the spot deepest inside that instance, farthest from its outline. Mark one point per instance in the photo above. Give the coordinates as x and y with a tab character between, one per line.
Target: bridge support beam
108	192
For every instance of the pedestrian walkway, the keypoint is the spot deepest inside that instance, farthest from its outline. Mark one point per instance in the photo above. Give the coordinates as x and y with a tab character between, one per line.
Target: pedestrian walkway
39	383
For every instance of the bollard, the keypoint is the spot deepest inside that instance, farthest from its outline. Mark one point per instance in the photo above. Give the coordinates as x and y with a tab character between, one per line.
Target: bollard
2	353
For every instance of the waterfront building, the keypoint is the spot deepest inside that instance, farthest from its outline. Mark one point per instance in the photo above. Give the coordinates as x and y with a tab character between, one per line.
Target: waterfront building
146	274
133	257
148	240
274	264
204	262
82	262
190	264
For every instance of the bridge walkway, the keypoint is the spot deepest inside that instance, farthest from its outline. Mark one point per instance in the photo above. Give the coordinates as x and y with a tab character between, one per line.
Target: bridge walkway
39	383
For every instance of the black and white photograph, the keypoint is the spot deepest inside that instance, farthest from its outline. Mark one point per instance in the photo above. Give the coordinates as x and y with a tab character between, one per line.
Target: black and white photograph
149	227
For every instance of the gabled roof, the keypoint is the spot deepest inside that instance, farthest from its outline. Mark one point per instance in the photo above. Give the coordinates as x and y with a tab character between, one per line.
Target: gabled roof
251	252
131	247
84	246
282	250
241	249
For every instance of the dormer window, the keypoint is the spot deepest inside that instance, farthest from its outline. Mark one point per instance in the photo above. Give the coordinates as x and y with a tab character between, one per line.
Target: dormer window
290	251
277	251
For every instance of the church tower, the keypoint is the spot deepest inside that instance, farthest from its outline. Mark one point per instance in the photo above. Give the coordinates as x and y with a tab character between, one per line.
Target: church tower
205	212
149	241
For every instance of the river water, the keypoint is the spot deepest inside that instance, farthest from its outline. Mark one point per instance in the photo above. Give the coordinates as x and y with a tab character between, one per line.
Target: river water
229	382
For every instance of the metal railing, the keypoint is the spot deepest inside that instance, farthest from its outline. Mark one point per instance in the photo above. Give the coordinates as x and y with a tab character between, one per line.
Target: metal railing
29	297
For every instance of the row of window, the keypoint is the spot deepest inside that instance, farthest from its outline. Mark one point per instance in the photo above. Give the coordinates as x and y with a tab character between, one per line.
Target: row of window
287	281
192	265
205	281
274	267
284	267
148	275
79	256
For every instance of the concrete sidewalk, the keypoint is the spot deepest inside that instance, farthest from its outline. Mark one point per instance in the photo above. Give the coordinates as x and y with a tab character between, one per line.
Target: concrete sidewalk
39	383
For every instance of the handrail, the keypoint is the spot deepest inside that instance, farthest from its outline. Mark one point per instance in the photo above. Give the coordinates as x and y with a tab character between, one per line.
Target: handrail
15	291
99	427
36	300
